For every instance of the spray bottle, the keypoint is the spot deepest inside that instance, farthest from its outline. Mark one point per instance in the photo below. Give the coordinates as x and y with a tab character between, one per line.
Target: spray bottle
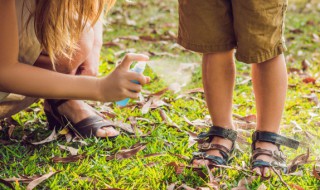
138	68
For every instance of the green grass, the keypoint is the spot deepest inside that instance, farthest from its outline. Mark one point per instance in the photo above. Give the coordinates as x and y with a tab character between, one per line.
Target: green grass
158	18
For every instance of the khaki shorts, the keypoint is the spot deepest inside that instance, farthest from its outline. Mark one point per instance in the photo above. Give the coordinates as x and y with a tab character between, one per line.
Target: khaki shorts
253	27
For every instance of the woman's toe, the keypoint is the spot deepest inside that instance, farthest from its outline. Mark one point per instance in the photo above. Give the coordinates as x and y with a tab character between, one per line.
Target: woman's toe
107	132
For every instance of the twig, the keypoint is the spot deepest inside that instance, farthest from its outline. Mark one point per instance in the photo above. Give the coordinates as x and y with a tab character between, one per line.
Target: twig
276	172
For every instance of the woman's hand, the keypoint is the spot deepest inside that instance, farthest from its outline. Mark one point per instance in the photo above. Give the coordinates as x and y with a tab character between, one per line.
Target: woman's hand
118	85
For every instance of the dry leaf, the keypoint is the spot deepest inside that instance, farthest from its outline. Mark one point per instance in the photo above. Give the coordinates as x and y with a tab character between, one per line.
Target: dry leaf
11	129
213	184
305	64
128	153
146	107
178	167
262	187
171	186
68	159
53	136
316	171
37	181
244	182
73	151
295	186
309	80
153	155
124	126
195	90
299	161
192	138
186	187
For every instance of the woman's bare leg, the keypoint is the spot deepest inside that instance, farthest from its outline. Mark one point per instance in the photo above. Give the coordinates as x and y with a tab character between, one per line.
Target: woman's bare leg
76	110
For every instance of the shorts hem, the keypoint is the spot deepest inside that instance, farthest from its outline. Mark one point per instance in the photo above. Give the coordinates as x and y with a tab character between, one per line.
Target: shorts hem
263	56
205	48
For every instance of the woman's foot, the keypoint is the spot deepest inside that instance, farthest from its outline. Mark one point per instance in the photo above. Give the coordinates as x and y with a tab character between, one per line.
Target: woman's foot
78	110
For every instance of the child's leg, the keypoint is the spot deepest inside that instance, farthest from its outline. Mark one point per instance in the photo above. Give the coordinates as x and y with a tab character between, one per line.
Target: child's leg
270	86
218	75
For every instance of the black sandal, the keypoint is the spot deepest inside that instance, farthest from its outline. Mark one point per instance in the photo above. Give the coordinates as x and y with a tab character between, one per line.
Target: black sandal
85	128
279	162
204	144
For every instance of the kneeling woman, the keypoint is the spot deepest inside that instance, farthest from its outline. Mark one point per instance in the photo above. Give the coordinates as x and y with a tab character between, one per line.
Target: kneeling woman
50	49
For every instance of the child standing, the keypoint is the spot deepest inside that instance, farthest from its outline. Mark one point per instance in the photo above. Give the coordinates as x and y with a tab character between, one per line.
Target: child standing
255	29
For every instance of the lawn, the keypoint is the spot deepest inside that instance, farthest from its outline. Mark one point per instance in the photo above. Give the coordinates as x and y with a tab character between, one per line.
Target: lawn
156	143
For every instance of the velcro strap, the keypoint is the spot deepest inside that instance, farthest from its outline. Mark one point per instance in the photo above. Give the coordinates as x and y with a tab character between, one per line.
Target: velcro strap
274	138
220	132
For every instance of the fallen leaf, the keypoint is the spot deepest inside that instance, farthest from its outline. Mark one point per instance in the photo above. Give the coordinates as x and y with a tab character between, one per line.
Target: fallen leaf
171	186
11	129
192	138
53	136
127	153
180	156
245	125
316	171
114	44
305	64
146	107
197	123
313	98
248	118
309	80
151	164
186	187
168	120
124	126
178	167
73	151
160	92
295	186
153	155
244	182
195	90
68	159
262	187
213	184
298	161
39	180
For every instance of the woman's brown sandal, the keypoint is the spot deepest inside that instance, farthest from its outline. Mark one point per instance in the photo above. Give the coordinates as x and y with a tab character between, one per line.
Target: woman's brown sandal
85	128
279	162
204	145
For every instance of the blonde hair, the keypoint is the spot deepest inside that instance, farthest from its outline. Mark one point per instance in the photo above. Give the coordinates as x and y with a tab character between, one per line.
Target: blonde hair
58	24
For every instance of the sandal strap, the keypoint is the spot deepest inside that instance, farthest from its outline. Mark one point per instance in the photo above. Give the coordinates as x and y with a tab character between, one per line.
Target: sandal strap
273	138
220	132
54	104
224	151
214	159
277	165
277	154
88	127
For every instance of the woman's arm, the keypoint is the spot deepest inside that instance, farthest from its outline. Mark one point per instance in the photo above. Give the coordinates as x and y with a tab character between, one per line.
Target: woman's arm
37	82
